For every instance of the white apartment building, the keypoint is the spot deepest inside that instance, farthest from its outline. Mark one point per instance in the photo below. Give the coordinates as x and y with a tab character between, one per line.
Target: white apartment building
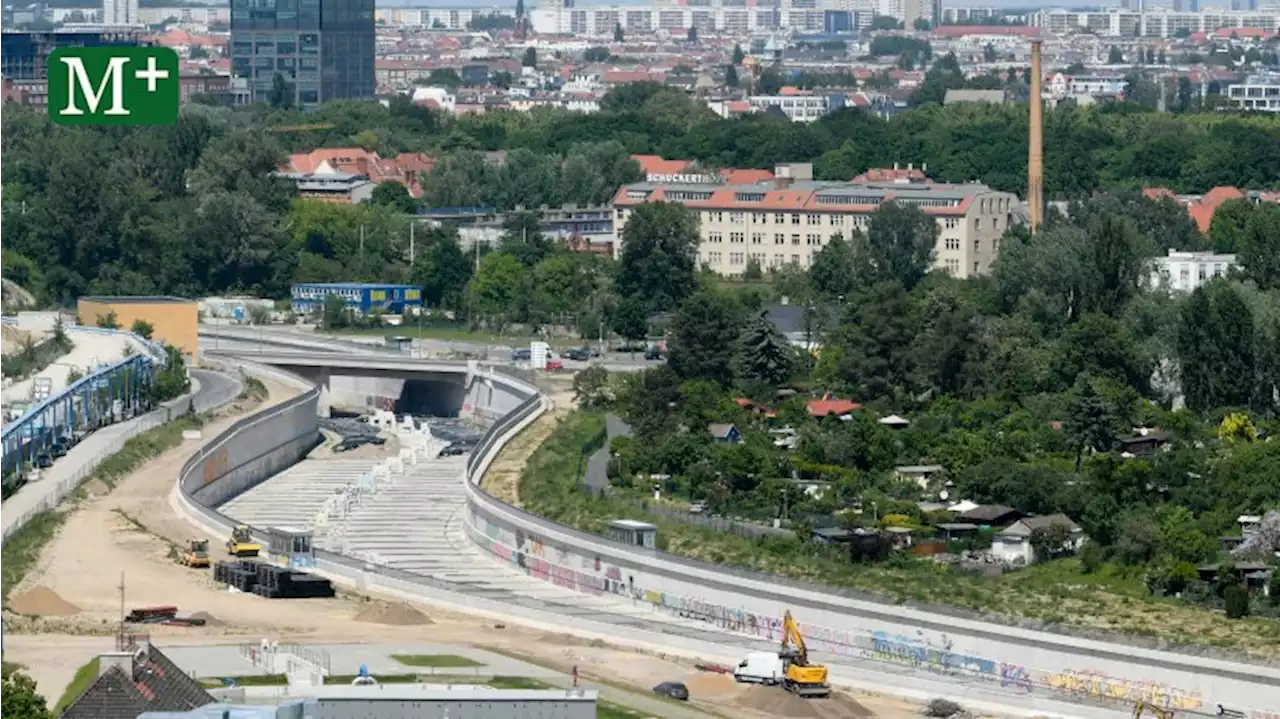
197	15
447	18
797	107
1160	22
120	12
1185	271
1260	93
730	17
788	220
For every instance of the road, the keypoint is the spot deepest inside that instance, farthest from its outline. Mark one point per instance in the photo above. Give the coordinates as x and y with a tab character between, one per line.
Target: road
38	495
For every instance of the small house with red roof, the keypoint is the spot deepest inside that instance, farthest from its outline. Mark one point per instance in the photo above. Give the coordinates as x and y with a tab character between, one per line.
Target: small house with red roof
829	406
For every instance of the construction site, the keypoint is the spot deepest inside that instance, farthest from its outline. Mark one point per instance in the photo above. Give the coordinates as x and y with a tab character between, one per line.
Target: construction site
124	550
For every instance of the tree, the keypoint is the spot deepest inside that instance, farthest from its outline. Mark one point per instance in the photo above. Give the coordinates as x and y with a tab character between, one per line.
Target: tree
530	58
1048	541
1114	56
522	238
1237	601
334	313
1226	231
1259	247
618	34
765	355
108	321
658	264
730	76
441	268
833	273
738	55
20	698
282	92
900	244
870	352
519	9
630	319
752	271
142	328
591	387
596	54
1090	421
703	337
395	195
500	289
1216	347
692	35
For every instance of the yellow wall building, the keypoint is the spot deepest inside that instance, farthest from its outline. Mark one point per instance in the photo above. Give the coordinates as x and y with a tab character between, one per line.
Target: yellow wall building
174	320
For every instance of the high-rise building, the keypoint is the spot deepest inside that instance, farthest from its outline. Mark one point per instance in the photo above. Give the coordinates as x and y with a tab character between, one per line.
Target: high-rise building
120	12
25	55
319	49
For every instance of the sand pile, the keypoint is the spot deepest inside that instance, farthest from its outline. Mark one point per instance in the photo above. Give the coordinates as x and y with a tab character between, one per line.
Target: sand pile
41	601
705	684
846	706
13	338
397	615
209	619
778	702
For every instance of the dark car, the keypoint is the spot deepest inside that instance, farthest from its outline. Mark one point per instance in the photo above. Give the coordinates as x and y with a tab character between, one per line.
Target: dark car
653	352
674	690
579	354
521	355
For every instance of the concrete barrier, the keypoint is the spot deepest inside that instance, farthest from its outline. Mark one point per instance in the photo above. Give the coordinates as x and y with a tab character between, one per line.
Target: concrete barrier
748	605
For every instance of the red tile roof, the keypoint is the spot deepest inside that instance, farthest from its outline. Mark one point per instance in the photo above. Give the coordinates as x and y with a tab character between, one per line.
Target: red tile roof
825	407
403	168
787	200
893	174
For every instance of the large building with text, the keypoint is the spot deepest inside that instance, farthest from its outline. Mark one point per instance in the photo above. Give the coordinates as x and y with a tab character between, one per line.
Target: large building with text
789	219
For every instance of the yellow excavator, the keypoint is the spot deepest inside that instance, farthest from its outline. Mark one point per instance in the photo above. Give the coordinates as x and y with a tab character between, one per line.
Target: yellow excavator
241	543
195	554
799	676
1155	711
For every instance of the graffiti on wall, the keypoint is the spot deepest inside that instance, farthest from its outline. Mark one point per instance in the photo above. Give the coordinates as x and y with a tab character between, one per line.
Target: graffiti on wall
935	654
1094	684
215	465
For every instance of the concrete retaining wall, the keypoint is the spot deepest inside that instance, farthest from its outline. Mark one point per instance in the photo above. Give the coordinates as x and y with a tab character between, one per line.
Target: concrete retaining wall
256	447
1019	660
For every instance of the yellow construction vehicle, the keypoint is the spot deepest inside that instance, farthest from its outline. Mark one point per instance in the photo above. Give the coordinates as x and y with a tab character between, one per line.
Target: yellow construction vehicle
1155	711
799	676
195	554
241	543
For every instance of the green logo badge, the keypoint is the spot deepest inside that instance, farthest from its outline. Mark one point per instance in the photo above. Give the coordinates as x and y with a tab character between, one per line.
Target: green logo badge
113	86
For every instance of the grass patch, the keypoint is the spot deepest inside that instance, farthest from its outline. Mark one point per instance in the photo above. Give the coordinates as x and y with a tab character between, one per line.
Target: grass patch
23	549
518	683
143	448
79	683
1111	600
435	661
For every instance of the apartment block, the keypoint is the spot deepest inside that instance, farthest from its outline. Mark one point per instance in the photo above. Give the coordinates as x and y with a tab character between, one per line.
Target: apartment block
789	219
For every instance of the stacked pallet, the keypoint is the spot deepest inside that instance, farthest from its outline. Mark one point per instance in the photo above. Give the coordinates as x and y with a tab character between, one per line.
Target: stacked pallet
270	581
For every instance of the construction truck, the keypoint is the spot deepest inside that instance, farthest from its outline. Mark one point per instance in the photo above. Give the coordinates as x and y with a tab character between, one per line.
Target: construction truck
241	543
195	554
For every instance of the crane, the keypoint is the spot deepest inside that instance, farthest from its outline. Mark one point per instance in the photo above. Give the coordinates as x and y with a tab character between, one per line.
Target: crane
800	677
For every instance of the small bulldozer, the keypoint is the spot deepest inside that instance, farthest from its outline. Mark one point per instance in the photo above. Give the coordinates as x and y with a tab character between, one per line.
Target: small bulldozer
241	543
195	554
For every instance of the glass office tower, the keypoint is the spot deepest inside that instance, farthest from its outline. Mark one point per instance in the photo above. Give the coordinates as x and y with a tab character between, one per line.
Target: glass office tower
321	49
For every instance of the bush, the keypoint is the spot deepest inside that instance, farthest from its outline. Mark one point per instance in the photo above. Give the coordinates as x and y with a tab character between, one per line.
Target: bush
1091	557
1237	602
942	708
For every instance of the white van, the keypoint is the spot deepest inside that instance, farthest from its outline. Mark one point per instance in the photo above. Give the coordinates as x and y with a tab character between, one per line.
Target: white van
760	668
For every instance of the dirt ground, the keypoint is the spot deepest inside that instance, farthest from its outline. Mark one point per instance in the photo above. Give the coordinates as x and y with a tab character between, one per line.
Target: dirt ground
123	539
502	479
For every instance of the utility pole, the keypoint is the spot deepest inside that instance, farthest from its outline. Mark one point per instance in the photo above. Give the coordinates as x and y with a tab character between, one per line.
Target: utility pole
120	638
411	224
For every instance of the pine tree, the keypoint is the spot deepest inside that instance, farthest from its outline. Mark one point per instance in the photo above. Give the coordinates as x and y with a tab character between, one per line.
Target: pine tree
766	356
730	76
738	55
1090	422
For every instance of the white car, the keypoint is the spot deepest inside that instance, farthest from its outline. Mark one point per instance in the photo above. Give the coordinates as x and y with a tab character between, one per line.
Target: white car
760	668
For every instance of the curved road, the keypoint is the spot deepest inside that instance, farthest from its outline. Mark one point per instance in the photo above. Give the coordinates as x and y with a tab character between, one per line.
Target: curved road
438	554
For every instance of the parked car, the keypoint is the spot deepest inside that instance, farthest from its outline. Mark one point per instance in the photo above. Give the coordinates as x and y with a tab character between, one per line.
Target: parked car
554	364
675	690
521	355
578	354
653	352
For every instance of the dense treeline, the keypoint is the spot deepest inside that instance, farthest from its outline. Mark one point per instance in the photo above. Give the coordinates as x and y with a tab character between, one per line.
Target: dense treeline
192	209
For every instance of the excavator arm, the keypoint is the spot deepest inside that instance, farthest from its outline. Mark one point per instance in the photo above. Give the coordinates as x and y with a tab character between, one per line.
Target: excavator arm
793	640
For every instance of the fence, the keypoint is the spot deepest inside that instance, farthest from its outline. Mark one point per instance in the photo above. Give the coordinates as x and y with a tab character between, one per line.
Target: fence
200	402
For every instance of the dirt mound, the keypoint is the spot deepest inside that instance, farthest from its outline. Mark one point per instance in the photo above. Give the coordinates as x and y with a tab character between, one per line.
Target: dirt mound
710	685
778	702
41	601
398	615
845	706
13	338
209	619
